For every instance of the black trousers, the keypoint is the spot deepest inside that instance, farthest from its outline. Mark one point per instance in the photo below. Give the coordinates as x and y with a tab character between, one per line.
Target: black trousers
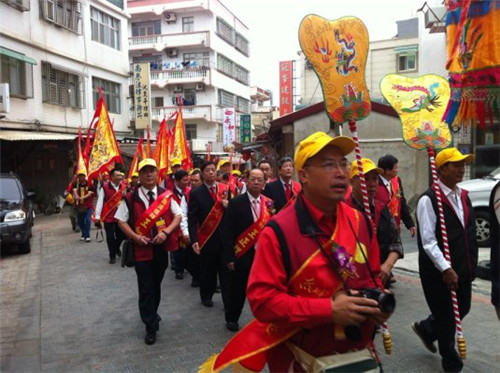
149	277
238	288
193	264
179	258
440	324
114	238
211	264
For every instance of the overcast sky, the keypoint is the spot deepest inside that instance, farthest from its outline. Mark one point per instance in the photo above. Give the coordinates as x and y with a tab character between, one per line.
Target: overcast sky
274	26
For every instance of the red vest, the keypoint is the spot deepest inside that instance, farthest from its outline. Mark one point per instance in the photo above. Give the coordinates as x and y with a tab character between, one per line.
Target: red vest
109	192
144	253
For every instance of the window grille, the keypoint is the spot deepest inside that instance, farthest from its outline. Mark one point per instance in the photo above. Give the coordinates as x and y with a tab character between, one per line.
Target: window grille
110	91
225	99
191	131
225	65
242	44
241	74
64	13
22	5
146	28
61	87
243	105
200	58
187	24
104	28
158	102
225	31
18	74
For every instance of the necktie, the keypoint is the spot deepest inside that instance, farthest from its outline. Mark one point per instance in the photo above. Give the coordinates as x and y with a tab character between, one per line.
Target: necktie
151	199
212	193
256	209
288	191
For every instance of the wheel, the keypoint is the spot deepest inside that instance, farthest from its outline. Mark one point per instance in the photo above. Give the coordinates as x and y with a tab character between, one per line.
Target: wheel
483	228
25	247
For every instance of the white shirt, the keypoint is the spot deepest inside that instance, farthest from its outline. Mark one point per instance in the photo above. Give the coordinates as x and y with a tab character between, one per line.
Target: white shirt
100	200
122	213
252	198
427	224
387	183
184	221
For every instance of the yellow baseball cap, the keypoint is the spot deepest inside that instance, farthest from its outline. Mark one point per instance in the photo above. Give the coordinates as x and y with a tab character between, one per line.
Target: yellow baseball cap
313	144
222	162
147	162
237	172
452	155
134	174
175	162
368	166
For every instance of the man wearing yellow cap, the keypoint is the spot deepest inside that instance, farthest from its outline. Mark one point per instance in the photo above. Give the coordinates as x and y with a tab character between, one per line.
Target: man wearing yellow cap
83	195
388	237
150	217
175	165
307	262
437	275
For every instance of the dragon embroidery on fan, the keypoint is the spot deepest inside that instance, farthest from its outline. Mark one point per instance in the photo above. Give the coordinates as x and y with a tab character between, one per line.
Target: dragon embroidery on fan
427	99
325	51
346	55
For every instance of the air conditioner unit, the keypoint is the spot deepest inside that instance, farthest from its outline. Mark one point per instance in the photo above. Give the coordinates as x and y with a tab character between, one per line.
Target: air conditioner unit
200	86
4	98
178	88
171	52
170	17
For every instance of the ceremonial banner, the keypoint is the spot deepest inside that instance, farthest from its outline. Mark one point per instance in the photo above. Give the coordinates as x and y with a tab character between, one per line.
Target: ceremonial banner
181	148
81	167
337	50
105	149
228	126
138	155
160	154
286	87
142	95
420	104
473	46
246	128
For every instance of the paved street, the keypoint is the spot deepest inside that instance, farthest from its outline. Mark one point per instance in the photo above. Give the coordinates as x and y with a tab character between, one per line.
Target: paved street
63	308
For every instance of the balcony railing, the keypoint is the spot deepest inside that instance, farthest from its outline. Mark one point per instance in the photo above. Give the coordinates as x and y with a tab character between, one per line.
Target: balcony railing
161	78
188	112
160	42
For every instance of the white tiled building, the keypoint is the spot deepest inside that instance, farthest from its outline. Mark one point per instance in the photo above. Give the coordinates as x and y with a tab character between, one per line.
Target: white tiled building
197	50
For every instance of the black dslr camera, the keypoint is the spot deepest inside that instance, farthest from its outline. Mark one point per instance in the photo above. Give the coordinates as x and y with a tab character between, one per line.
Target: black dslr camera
386	301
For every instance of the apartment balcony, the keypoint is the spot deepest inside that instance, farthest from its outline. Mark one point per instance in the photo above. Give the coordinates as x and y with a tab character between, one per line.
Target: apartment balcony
170	42
188	112
162	78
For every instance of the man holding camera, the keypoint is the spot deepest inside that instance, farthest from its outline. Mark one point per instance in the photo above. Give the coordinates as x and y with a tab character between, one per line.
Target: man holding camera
311	262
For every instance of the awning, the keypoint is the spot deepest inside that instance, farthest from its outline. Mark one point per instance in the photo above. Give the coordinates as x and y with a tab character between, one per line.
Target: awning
17	56
406	49
31	136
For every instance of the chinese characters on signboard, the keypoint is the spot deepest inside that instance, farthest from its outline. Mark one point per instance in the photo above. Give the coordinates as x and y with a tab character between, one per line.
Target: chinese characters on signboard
246	128
286	88
142	96
228	126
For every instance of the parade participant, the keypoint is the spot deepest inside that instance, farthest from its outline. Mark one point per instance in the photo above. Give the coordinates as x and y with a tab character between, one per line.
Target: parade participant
195	178
68	195
390	192
437	275
175	165
180	255
245	216
223	166
108	200
267	168
83	195
134	180
205	212
307	265
283	189
241	186
149	217
388	237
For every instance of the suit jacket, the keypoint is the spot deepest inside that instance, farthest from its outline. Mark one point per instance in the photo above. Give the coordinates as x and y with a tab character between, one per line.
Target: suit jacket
383	195
237	218
200	205
276	192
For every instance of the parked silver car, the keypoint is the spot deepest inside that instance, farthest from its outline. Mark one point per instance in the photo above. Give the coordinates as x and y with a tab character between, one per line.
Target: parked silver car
479	194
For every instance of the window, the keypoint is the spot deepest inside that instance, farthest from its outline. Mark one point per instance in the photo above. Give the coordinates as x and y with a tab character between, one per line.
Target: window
191	131
158	102
154	61
225	31
241	74
187	24
241	44
21	5
61	87
199	58
146	28
110	91
189	97
225	99
19	75
242	104
105	29
224	65
407	62
65	13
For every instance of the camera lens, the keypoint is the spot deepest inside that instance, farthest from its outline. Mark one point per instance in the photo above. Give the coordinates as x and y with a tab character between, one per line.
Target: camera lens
387	302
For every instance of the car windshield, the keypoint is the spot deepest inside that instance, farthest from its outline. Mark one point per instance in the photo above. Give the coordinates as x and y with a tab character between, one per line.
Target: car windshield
9	190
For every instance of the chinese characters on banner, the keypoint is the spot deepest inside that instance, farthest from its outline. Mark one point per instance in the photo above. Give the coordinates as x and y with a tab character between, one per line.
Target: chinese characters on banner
228	126
246	128
286	90
142	96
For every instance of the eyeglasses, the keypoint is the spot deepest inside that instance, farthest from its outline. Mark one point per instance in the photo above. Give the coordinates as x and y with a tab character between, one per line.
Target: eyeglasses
331	166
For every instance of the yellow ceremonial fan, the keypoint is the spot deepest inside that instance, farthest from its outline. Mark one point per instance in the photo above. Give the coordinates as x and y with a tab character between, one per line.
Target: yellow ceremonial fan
420	104
337	50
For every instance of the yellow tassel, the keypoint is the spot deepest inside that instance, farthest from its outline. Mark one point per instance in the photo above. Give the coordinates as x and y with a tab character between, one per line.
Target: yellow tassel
462	347
208	366
386	337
